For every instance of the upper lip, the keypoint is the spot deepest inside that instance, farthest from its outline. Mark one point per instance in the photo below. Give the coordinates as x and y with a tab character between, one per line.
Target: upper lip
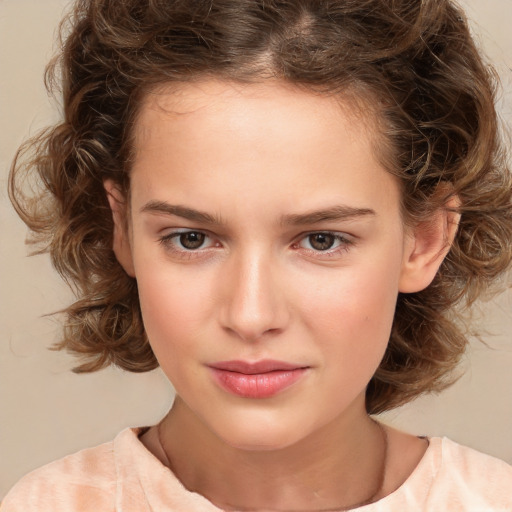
256	367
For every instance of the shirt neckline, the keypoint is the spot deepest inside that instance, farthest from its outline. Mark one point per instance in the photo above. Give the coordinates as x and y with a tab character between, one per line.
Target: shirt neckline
141	472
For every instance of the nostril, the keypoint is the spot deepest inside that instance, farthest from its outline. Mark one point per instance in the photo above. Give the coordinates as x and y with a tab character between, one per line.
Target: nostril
251	335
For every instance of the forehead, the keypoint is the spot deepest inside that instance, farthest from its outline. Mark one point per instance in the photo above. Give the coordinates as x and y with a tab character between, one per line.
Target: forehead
213	142
202	99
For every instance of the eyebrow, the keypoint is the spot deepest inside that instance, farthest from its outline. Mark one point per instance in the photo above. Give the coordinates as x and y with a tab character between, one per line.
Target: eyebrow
340	212
329	214
181	211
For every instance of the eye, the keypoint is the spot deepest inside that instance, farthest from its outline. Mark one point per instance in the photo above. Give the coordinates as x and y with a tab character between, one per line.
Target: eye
324	241
186	241
192	240
321	241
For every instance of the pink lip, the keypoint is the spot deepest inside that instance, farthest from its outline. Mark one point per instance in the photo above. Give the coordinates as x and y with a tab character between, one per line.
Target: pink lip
261	379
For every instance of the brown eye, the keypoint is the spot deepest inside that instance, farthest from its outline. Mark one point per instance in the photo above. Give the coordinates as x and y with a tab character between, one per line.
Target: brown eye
321	241
192	240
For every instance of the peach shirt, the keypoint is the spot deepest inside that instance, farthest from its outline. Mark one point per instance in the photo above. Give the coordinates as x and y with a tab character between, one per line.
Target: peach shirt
123	476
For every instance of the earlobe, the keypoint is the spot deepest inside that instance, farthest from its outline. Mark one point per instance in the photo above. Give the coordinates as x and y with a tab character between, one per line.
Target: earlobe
426	247
121	242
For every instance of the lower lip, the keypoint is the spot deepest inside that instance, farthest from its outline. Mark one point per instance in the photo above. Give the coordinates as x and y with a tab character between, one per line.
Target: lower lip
260	385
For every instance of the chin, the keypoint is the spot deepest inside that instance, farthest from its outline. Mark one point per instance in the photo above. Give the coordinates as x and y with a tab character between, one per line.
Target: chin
252	435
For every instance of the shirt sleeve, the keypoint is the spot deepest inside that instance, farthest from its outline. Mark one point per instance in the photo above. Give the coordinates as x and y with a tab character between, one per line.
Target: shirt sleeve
82	482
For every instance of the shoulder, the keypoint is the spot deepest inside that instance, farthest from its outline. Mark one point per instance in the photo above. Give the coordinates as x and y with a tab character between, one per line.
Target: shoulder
447	476
81	482
472	480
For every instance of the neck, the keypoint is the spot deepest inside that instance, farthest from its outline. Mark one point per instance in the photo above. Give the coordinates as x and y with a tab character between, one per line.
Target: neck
341	466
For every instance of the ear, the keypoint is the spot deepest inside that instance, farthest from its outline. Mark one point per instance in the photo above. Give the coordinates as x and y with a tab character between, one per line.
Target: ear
121	241
427	245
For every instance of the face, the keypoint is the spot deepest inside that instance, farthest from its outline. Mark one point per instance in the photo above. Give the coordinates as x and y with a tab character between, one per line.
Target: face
268	248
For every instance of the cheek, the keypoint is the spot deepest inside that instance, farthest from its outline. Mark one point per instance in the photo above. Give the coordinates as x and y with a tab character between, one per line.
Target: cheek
351	315
175	310
353	299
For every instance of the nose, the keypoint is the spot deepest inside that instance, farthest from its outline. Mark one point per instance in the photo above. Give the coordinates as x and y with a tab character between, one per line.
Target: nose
254	302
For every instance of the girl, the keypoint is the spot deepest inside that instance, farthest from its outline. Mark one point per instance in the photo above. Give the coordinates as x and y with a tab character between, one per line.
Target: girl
280	203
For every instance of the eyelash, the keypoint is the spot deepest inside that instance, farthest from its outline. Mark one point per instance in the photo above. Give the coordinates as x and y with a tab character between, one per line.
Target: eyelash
344	242
168	242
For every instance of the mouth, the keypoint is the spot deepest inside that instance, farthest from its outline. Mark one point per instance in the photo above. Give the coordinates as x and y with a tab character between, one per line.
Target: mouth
260	379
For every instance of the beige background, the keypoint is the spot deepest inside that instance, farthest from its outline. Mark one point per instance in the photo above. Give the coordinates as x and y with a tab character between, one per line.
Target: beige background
47	412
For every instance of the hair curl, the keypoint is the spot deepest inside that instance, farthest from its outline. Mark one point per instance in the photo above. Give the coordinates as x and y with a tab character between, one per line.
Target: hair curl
415	58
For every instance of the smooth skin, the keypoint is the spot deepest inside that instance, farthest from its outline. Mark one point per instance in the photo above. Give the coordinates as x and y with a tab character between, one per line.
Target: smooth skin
261	225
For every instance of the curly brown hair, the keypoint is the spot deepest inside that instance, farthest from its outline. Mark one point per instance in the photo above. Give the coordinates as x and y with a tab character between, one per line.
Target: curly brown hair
414	58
